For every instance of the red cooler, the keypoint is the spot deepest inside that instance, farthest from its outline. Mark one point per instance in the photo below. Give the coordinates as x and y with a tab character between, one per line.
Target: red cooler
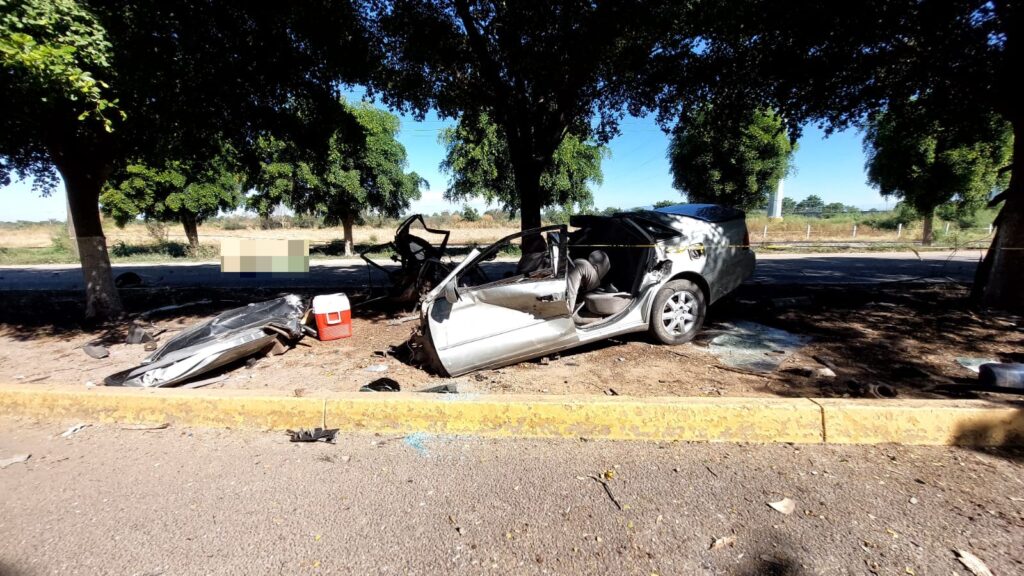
333	316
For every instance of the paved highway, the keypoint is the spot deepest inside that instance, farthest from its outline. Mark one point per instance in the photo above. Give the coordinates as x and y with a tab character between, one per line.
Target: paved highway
182	502
772	269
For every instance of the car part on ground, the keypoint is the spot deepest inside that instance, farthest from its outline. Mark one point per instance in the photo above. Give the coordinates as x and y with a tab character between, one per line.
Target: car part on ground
265	327
655	280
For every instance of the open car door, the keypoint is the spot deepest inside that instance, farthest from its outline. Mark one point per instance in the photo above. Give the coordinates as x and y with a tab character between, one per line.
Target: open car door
519	316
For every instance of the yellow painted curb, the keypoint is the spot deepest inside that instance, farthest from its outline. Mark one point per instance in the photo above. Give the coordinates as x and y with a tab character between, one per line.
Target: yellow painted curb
929	422
205	409
698	419
798	420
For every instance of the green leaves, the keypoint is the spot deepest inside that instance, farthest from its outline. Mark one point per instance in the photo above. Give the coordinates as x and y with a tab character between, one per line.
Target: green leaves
479	164
731	159
55	47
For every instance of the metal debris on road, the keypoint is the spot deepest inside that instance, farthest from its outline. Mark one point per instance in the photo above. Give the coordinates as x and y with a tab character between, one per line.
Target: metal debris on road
96	351
314	435
786	506
73	430
755	347
973	563
16	459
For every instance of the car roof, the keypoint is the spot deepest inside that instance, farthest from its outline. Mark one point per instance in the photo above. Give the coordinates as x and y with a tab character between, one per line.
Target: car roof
705	212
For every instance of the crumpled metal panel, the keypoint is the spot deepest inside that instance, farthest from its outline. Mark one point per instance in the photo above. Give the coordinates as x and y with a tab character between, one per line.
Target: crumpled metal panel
228	337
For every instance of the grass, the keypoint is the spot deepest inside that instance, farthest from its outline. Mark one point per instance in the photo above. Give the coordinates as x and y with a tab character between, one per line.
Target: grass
24	243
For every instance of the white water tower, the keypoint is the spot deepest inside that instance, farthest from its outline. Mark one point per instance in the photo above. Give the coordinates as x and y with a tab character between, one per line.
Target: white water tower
775	203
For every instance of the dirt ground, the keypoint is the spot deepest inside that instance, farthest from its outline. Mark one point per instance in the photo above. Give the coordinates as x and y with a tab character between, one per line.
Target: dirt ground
899	339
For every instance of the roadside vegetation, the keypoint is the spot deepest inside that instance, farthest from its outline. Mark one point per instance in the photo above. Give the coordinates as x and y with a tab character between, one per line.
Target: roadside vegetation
48	242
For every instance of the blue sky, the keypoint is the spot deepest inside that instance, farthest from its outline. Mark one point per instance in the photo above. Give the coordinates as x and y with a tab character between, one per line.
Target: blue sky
637	173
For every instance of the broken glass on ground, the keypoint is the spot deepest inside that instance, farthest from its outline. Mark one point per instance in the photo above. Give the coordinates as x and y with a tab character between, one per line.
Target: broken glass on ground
755	347
258	328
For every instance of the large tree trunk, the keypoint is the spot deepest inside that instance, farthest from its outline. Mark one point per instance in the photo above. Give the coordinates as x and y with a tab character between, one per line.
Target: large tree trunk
346	223
191	226
1000	279
102	302
927	233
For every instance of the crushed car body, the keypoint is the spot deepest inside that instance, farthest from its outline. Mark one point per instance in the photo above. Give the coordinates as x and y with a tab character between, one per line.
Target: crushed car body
655	270
233	335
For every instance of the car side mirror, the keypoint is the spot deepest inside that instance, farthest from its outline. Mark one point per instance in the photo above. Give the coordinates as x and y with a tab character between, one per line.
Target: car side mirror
451	293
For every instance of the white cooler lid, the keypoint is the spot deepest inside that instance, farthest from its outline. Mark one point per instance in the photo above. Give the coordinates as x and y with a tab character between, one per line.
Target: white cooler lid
325	303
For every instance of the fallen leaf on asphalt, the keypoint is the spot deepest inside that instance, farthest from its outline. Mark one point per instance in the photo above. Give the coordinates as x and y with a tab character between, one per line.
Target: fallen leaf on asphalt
609	474
723	542
973	563
786	506
17	458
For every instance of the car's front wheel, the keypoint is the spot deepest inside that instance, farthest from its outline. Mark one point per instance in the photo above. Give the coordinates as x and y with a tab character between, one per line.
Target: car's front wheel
677	312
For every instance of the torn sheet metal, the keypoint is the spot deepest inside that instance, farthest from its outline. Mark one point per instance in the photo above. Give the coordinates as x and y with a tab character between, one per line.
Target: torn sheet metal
755	347
231	336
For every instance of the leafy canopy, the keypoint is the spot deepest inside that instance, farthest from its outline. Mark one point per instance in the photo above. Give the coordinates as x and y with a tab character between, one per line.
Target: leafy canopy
360	166
478	161
732	160
928	161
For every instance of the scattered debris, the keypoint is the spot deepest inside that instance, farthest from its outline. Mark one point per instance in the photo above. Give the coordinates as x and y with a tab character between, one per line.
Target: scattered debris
314	435
73	430
138	335
913	500
381	385
449	388
974	364
826	362
161	426
416	442
269	327
376	368
16	459
786	506
96	351
609	474
755	347
333	316
973	563
726	542
825	373
611	392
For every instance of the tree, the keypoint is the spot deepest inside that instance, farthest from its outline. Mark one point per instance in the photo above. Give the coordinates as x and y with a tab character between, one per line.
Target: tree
478	161
176	192
358	167
665	203
92	86
470	214
728	159
813	204
539	74
788	205
837	63
920	160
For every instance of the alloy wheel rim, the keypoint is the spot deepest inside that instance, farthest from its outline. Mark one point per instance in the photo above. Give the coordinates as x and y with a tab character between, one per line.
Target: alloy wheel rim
678	315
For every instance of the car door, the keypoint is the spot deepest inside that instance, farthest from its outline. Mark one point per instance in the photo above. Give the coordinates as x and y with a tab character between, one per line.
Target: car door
519	316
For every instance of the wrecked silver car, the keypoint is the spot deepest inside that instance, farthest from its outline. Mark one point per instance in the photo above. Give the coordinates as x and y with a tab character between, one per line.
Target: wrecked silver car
655	270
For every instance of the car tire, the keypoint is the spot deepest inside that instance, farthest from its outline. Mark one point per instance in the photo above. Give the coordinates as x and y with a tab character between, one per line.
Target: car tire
677	313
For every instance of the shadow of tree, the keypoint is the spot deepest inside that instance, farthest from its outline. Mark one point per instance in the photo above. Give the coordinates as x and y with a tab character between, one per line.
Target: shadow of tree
1003	438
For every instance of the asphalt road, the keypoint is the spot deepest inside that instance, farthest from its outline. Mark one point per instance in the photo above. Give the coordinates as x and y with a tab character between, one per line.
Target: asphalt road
869	268
180	502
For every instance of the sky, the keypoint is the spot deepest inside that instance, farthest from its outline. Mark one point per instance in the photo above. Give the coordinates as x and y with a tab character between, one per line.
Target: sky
637	174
